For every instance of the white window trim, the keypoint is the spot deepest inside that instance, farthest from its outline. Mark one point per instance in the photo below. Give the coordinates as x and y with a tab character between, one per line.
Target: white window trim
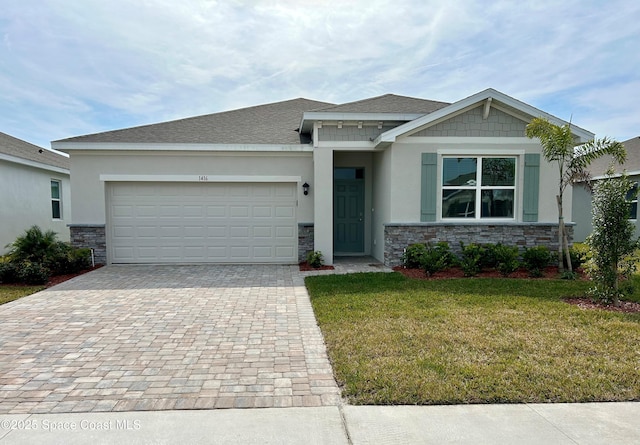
59	199
517	187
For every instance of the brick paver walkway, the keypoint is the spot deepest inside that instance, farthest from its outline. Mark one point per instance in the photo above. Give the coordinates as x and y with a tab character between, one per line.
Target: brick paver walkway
126	338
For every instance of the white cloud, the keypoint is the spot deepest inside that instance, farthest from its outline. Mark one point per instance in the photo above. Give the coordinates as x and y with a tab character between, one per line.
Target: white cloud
77	67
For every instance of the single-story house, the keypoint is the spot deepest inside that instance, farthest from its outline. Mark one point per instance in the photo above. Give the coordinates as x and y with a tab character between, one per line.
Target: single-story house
36	190
582	197
269	183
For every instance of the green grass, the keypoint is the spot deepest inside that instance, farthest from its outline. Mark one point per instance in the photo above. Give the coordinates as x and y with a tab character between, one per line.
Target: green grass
393	340
10	293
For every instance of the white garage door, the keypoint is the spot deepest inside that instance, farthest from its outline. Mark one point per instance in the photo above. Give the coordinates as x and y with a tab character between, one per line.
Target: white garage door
202	222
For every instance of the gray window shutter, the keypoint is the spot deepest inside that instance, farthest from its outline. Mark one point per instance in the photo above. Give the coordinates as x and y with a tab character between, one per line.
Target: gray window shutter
531	190
429	187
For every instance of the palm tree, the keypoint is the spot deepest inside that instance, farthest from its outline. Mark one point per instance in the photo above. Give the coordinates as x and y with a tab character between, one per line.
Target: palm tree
558	145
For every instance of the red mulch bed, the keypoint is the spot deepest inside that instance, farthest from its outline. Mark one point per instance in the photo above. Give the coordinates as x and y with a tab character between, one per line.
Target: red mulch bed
304	267
456	272
62	278
587	303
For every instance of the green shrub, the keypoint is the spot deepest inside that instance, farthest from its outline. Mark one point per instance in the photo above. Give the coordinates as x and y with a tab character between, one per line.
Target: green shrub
613	249
314	259
448	257
535	259
79	259
471	261
8	273
506	258
413	255
429	258
578	256
32	273
437	258
490	257
68	260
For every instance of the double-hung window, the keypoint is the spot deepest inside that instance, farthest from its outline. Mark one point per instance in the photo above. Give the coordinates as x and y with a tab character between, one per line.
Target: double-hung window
56	199
480	187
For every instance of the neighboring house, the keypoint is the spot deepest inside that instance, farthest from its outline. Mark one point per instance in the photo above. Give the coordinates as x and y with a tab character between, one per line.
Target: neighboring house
270	183
36	188
582	197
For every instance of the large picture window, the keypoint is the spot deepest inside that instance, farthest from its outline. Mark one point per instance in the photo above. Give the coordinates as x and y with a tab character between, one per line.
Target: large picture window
478	187
56	204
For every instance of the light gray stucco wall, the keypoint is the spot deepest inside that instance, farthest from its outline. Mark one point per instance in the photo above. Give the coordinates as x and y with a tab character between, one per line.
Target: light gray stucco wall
381	209
88	197
27	201
581	209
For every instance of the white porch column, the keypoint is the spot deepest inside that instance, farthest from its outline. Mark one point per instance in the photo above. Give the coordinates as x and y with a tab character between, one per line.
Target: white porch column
323	203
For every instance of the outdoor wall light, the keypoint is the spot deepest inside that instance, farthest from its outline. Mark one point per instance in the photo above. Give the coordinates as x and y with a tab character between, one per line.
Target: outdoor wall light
305	187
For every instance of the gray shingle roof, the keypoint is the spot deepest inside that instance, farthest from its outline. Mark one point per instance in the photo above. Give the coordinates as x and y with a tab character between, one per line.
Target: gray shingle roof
600	166
388	103
22	149
274	123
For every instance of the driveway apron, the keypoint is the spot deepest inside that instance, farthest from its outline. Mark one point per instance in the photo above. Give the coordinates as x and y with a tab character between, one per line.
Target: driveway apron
128	338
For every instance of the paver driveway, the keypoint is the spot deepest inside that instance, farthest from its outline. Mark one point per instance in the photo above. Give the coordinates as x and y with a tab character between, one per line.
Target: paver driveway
126	338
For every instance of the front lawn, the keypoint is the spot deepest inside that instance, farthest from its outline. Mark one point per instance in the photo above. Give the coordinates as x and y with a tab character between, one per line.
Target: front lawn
10	293
393	340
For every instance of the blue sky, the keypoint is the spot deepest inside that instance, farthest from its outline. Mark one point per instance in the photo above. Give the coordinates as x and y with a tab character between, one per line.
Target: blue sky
73	67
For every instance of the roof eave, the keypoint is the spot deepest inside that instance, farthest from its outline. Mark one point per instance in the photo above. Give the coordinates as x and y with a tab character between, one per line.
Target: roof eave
29	163
152	146
309	117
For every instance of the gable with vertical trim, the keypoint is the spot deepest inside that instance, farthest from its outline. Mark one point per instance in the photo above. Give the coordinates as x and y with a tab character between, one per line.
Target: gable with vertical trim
472	124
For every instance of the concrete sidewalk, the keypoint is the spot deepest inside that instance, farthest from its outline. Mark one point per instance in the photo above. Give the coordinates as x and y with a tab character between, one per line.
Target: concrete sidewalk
584	424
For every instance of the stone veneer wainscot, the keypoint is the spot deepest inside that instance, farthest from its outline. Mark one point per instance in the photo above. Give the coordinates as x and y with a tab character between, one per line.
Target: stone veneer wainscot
399	236
305	240
92	236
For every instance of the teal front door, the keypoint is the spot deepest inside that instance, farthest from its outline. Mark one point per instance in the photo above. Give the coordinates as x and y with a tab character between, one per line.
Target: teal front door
348	210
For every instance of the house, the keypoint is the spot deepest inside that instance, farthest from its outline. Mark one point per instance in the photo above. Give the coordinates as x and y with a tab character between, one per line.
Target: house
36	190
582	196
268	183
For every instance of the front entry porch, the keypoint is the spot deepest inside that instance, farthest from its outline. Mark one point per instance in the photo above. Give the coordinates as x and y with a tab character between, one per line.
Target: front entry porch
342	199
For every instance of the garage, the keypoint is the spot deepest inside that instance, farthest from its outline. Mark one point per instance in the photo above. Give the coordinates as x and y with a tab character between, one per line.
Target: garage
203	222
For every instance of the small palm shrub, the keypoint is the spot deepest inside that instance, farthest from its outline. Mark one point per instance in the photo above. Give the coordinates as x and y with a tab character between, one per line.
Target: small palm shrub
37	255
535	259
34	245
315	259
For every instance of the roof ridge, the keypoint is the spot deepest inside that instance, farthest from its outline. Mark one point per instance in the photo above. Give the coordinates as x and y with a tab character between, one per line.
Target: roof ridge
369	99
